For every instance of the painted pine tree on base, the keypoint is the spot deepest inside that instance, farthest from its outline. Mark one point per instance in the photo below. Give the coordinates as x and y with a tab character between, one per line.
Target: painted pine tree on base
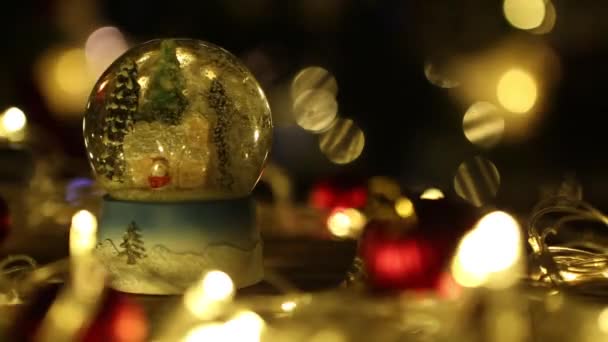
132	244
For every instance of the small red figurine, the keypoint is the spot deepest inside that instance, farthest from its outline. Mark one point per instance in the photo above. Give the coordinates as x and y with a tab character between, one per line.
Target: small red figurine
159	174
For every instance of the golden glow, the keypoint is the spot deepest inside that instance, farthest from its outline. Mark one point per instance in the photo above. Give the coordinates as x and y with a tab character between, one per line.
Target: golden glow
206	333
517	91
493	246
245	326
346	223
524	14
404	207
83	233
65	80
343	142
70	72
432	194
568	276
483	124
289	306
328	335
13	120
205	297
602	321
103	46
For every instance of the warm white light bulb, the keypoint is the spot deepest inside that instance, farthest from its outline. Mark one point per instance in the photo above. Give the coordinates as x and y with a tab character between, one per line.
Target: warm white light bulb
13	120
491	247
83	233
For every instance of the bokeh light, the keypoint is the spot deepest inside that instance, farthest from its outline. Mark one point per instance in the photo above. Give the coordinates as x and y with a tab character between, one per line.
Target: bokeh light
404	207
524	14
343	223
432	194
289	306
493	246
65	80
206	332
13	124
217	286
517	91
343	142
245	326
477	181
315	110
602	320
438	77
313	78
483	124
83	233
549	21
203	299
13	120
103	46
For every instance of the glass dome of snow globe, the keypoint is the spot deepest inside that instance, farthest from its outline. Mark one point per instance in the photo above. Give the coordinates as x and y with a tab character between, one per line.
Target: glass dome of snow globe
177	119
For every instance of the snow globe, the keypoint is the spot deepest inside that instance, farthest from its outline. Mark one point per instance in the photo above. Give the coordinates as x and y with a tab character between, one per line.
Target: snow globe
177	132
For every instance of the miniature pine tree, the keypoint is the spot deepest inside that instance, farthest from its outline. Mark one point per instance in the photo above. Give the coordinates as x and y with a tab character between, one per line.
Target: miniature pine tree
121	107
224	109
132	244
164	100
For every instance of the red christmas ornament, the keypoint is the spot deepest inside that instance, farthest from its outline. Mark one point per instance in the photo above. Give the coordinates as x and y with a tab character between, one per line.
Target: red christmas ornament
119	319
407	255
5	220
330	195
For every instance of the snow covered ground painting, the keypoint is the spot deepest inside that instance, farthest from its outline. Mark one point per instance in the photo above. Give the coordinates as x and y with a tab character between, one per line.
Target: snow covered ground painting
162	271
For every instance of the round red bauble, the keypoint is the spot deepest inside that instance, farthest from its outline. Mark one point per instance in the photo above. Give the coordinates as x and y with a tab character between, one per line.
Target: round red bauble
330	195
414	254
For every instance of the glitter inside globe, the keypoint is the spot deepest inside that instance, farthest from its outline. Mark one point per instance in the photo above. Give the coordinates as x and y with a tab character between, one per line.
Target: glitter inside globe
177	119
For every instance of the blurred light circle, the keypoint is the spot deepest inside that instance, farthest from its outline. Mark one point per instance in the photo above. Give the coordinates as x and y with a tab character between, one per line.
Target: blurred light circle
313	78
432	194
477	181
524	14
517	91
65	80
549	21
438	78
343	142
70	72
315	110
103	46
483	124
13	120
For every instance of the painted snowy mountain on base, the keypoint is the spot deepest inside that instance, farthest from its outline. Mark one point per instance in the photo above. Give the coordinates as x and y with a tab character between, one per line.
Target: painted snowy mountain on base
162	271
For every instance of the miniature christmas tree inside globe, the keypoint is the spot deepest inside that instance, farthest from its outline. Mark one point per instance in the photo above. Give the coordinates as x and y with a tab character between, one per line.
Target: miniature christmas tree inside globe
175	120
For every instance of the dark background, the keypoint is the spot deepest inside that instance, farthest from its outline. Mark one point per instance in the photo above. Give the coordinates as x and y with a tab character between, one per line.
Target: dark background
376	50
